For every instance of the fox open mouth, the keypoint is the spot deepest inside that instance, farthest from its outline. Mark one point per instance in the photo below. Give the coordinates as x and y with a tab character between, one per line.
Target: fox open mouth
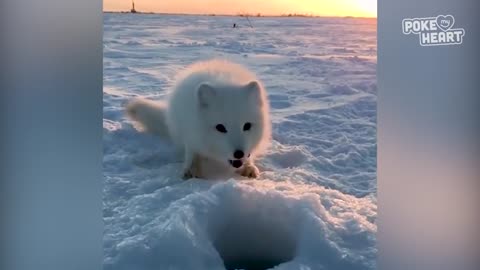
236	163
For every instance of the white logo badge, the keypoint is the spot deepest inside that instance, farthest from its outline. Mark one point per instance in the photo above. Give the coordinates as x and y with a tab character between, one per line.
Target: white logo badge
434	31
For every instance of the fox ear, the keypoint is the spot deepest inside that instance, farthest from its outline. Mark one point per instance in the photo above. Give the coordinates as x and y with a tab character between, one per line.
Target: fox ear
253	90
205	94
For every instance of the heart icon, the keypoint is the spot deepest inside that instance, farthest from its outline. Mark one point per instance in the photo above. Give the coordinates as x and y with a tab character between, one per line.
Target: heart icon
445	22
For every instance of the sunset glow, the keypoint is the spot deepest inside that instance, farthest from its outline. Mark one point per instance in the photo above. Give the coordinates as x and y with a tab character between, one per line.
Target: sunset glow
355	8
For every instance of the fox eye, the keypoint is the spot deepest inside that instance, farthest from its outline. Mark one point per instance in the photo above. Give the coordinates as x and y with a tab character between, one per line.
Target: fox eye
247	126
221	128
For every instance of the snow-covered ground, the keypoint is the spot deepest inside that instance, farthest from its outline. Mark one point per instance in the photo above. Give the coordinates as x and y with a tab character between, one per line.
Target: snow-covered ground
314	205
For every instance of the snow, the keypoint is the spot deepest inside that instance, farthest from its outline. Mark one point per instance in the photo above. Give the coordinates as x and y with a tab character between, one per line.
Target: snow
314	205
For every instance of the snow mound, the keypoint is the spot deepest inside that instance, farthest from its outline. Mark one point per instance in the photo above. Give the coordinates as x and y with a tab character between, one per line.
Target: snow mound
246	225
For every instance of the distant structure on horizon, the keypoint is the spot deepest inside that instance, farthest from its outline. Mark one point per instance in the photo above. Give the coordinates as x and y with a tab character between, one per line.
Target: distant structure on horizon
133	7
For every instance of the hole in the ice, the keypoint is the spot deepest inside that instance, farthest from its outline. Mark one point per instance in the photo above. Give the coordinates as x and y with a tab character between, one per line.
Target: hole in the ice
254	237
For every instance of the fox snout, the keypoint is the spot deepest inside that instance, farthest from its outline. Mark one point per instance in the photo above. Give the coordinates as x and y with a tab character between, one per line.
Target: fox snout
239	156
237	163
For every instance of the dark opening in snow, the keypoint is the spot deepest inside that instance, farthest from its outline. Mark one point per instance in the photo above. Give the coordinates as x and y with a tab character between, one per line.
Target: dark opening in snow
254	237
254	244
251	265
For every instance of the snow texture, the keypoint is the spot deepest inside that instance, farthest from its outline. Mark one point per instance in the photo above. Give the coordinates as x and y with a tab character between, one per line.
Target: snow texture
314	204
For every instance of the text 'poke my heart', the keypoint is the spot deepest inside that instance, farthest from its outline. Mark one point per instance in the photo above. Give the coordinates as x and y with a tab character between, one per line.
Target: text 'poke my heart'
434	30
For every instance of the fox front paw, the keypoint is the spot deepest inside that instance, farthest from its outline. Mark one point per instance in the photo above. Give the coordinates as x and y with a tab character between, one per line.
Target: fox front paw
187	175
191	173
250	171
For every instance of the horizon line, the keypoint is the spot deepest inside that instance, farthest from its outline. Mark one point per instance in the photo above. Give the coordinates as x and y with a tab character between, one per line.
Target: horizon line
243	14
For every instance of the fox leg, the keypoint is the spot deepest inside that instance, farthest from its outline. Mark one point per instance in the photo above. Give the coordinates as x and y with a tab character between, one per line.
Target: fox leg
249	170
191	165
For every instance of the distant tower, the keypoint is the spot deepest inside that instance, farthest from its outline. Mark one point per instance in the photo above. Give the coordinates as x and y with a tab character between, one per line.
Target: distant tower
133	7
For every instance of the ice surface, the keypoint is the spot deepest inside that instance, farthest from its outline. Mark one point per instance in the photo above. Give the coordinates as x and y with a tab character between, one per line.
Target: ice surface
314	205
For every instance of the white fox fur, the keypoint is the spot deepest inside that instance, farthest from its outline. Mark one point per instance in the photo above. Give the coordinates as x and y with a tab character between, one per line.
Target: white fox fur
206	95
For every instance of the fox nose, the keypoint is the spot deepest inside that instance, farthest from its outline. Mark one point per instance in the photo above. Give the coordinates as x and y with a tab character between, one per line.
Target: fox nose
238	154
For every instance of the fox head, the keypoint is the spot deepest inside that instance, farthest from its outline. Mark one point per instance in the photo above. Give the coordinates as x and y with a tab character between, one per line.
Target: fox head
235	121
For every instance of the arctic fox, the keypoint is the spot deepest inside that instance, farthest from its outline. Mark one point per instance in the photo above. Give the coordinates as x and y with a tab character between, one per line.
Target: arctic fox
217	110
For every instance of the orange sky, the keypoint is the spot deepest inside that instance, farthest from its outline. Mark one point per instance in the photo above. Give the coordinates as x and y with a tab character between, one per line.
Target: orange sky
356	8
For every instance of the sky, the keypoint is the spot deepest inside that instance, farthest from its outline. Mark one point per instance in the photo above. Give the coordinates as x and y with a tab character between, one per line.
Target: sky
355	8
